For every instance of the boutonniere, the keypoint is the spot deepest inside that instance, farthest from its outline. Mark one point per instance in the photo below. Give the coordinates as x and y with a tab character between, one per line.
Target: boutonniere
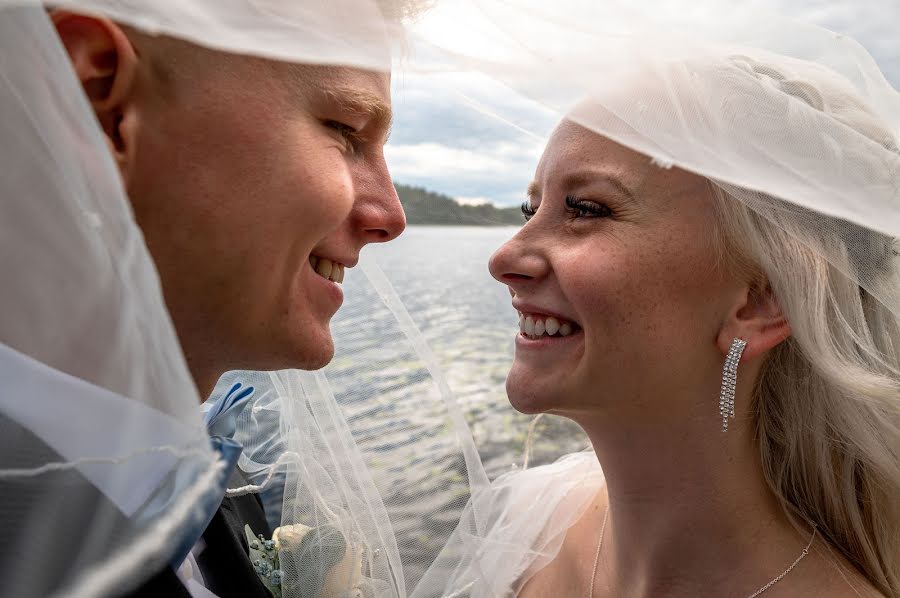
326	565
264	556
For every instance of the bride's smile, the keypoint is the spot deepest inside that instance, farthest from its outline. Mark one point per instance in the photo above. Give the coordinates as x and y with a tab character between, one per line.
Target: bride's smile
607	275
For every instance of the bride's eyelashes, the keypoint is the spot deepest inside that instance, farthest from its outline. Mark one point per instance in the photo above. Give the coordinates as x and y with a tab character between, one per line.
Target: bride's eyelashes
527	211
579	208
582	208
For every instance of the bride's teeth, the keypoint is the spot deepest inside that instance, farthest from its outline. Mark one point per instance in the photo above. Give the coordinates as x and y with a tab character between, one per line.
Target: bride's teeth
529	326
551	326
323	269
340	273
537	326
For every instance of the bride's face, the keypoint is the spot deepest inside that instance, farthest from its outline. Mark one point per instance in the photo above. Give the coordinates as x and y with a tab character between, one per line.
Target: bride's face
620	253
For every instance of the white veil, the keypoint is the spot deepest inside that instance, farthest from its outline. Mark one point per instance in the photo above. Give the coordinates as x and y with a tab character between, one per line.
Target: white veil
108	472
85	336
105	465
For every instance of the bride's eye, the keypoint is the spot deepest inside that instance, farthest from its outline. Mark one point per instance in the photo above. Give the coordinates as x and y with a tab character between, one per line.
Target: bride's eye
527	211
581	208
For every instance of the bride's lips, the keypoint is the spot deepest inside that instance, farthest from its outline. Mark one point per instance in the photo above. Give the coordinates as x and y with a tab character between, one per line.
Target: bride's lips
541	327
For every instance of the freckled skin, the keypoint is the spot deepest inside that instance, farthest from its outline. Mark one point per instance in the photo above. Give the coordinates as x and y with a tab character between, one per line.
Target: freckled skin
644	284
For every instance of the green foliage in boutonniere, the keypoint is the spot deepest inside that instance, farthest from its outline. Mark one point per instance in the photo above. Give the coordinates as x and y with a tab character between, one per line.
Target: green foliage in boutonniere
264	556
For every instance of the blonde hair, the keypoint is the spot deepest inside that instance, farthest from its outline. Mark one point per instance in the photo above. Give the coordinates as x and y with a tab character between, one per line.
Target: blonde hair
827	401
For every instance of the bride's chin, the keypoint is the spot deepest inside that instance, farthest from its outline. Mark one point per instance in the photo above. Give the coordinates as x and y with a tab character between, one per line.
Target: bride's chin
527	398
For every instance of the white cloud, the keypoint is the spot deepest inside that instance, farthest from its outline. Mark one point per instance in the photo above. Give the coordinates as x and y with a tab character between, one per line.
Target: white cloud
428	159
446	139
473	201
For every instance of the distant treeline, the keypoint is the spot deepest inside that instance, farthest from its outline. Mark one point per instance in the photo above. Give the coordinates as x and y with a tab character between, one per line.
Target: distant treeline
426	207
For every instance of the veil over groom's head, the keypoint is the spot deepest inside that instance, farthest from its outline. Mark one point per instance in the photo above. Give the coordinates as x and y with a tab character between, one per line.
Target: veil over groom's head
256	183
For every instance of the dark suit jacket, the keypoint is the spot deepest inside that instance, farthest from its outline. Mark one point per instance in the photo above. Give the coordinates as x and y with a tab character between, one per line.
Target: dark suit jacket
224	563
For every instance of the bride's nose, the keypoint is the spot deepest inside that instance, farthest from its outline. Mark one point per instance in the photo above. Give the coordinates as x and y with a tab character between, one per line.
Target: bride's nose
518	263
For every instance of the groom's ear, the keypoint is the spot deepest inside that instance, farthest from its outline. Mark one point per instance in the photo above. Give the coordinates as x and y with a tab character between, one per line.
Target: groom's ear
105	62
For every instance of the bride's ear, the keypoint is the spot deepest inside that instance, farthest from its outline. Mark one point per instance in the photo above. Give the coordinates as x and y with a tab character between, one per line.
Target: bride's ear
758	319
105	62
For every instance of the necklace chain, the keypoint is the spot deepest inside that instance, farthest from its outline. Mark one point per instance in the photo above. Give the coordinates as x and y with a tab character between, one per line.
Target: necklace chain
777	578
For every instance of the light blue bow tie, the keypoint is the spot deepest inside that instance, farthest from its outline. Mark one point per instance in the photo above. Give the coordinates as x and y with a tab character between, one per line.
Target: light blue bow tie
221	422
221	419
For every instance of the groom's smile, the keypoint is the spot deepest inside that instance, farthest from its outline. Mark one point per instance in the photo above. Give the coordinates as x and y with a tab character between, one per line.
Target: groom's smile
327	269
255	183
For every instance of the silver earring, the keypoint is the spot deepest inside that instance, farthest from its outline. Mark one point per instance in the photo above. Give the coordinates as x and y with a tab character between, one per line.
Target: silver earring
729	381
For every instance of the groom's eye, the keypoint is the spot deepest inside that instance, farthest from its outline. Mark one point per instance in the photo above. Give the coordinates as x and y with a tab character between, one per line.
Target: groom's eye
349	134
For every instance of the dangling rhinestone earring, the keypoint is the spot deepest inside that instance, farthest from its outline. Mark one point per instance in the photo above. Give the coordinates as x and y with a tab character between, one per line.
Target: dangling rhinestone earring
729	381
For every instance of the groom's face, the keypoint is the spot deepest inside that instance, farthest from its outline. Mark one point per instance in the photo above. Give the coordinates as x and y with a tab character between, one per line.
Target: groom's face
256	183
256	188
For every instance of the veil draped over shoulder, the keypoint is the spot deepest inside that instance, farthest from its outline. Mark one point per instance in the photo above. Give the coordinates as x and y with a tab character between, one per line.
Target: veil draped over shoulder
98	405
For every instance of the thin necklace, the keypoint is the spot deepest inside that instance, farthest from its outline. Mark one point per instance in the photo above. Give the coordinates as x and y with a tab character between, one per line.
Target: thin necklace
778	578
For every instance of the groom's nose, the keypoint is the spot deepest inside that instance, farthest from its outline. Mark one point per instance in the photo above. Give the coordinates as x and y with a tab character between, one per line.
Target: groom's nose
377	213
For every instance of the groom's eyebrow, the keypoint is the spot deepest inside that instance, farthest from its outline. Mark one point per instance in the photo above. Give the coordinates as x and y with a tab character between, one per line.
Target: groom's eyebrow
364	103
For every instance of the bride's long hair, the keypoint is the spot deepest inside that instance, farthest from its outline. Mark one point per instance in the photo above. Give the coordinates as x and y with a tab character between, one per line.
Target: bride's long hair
827	401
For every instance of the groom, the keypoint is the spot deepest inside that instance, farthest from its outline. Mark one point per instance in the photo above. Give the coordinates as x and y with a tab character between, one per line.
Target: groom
256	184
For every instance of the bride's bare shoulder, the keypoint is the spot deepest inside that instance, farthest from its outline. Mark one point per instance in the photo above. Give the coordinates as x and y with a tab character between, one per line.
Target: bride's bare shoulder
834	577
566	574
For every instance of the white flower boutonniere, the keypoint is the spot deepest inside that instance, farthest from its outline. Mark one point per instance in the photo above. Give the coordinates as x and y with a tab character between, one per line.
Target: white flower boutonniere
326	565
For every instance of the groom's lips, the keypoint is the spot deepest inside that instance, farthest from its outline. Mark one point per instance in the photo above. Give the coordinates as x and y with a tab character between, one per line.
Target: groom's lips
328	269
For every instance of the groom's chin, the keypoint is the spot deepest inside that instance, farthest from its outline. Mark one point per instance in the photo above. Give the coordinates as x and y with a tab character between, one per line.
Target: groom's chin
305	348
315	353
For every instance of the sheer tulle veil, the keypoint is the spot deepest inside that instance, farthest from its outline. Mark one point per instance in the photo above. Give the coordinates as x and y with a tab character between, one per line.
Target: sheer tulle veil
793	121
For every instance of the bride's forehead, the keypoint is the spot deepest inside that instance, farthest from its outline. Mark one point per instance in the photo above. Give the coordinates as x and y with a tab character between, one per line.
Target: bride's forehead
572	146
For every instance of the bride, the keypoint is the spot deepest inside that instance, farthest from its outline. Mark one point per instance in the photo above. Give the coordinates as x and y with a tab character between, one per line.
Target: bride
661	277
703	288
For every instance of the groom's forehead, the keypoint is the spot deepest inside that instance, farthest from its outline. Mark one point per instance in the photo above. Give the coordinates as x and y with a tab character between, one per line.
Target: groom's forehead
353	90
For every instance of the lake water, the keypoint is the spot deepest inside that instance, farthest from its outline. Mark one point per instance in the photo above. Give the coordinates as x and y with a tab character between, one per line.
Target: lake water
393	407
441	275
392	403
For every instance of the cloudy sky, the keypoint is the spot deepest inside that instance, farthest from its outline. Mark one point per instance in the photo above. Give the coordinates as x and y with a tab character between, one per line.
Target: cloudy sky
443	140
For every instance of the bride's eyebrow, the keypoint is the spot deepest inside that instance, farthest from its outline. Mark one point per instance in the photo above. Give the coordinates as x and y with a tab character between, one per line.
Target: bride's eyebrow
533	192
584	178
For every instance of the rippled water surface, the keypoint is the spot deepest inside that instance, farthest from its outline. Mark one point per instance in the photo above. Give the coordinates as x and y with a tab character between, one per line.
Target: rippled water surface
398	418
441	275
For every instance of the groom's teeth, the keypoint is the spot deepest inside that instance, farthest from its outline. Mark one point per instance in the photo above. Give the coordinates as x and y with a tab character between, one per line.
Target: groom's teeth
325	268
537	326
